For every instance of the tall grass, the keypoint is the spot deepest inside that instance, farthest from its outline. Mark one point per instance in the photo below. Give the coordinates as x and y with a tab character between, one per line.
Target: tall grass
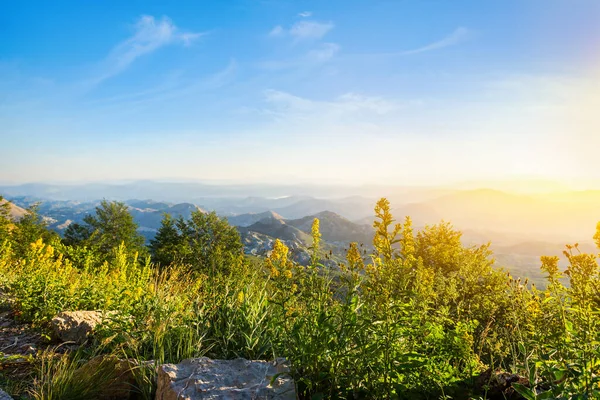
419	318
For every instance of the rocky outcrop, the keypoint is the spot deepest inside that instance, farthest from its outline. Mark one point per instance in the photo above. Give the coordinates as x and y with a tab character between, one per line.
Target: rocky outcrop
203	378
76	326
4	395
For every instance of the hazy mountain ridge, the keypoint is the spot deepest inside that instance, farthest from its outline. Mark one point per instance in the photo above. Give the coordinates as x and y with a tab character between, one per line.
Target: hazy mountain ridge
521	227
335	228
245	220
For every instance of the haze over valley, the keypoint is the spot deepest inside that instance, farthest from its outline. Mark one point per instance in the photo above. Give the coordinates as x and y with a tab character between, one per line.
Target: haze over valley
520	226
313	200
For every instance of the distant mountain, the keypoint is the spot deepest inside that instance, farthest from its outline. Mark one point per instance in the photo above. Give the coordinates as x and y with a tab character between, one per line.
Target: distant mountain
258	238
521	227
15	212
149	219
149	205
174	191
335	228
337	232
248	219
353	208
278	228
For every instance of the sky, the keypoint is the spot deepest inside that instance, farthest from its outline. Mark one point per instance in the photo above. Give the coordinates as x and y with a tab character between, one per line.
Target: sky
340	91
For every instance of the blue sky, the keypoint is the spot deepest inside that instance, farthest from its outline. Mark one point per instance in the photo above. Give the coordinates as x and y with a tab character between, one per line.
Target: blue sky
396	92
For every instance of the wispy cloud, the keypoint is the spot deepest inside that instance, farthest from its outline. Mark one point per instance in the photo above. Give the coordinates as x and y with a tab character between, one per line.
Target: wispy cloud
304	30
323	53
310	29
458	36
305	14
149	35
277	31
174	86
318	55
286	106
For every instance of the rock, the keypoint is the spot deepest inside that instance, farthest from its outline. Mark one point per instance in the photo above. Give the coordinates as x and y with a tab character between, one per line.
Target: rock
203	378
4	395
75	326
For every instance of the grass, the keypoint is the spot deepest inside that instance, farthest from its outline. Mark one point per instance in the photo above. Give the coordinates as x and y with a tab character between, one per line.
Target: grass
421	318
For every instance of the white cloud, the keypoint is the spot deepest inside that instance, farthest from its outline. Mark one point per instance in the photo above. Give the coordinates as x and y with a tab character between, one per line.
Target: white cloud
310	29
277	31
305	14
304	30
459	35
323	53
149	35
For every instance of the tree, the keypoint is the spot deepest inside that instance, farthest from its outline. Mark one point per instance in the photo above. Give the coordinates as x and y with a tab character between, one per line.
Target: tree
76	234
111	226
28	229
213	244
205	242
167	246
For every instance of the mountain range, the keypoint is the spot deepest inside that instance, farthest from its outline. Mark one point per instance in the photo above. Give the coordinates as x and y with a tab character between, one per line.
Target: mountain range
521	227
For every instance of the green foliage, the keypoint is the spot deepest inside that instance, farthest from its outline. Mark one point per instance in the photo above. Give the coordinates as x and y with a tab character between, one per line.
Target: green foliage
205	243
65	377
111	226
167	245
28	229
421	319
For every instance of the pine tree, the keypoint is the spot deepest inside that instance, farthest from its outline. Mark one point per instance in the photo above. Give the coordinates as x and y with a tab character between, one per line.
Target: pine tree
167	247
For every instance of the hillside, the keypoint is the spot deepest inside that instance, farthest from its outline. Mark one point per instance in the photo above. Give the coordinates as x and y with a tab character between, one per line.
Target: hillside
279	229
520	227
248	219
335	228
15	211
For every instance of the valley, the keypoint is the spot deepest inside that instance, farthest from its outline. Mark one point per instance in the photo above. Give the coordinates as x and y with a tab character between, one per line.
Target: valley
519	227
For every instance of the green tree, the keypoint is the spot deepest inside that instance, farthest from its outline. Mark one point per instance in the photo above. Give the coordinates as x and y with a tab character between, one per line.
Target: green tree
210	244
76	234
167	247
111	226
28	229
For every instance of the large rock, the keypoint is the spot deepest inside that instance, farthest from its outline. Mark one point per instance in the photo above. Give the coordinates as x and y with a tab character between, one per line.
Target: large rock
75	326
4	395
203	378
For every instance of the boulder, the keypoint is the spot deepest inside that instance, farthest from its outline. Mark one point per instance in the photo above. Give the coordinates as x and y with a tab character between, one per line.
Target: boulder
75	326
204	378
4	395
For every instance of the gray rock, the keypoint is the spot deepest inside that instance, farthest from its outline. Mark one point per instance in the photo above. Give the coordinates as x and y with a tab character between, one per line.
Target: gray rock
4	395
75	326
203	378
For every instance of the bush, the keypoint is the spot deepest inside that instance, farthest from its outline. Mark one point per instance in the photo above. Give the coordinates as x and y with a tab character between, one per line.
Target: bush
422	318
